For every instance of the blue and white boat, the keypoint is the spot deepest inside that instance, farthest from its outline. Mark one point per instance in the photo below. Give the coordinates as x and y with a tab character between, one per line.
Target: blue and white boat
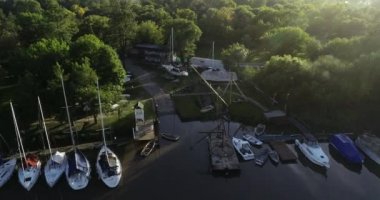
346	147
311	149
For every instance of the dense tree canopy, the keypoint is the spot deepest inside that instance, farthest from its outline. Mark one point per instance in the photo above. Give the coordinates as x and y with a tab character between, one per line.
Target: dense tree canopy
321	56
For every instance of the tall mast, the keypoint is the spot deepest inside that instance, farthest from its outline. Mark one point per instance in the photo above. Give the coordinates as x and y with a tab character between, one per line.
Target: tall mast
19	141
67	112
101	114
44	125
172	45
212	62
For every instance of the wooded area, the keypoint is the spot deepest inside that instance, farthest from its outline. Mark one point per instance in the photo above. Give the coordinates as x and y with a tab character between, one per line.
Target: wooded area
322	56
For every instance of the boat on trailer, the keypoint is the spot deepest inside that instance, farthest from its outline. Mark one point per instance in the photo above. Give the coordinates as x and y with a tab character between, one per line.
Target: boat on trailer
78	168
56	165
252	139
7	167
108	165
370	145
311	149
170	136
30	168
243	148
346	147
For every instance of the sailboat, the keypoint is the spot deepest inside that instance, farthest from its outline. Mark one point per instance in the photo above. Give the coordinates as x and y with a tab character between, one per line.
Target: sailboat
108	164
171	68
78	168
30	168
6	170
57	162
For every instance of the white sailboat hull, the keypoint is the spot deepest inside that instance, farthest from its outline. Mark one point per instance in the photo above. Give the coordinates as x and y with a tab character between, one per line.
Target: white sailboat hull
6	171
315	155
29	176
80	179
53	171
111	181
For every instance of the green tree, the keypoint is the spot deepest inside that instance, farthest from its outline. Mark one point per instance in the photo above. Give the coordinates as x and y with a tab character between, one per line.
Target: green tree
186	14
290	40
96	25
186	34
149	32
235	54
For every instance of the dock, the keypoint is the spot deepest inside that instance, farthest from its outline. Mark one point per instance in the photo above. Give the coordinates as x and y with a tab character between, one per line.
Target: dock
285	153
222	154
279	137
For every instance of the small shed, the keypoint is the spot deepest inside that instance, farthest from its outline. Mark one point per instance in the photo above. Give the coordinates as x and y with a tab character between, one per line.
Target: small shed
139	112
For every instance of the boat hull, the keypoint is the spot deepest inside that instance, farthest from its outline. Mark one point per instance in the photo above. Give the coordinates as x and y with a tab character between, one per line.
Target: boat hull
29	176
170	137
6	171
79	180
110	181
53	171
346	147
242	147
304	149
367	150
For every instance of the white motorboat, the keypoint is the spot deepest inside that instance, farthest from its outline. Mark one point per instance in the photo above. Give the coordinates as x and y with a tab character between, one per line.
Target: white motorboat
57	162
252	139
175	71
108	165
243	148
30	168
7	168
313	152
78	168
370	145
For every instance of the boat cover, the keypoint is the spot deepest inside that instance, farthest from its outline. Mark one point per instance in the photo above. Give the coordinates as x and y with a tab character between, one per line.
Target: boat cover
58	157
109	165
31	160
80	159
346	146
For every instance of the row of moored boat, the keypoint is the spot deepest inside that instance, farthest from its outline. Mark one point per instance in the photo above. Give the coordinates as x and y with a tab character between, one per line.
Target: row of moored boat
74	165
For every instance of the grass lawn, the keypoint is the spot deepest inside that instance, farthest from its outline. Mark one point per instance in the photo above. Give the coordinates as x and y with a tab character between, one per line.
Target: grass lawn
188	109
246	113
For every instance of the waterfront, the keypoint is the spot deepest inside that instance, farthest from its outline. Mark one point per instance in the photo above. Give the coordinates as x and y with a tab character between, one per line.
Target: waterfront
181	171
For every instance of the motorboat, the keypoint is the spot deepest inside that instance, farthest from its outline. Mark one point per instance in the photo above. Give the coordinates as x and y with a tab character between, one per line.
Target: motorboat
370	145
259	129
252	139
170	136
56	165
243	148
311	149
273	155
346	147
30	168
148	148
7	167
261	157
174	70
77	170
108	165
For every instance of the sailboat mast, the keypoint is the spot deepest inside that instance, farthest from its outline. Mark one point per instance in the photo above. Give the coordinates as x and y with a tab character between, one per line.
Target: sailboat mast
44	125
67	112
19	141
19	150
213	56
172	45
101	114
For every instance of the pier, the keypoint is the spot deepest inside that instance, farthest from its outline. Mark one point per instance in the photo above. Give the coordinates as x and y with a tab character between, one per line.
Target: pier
285	153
